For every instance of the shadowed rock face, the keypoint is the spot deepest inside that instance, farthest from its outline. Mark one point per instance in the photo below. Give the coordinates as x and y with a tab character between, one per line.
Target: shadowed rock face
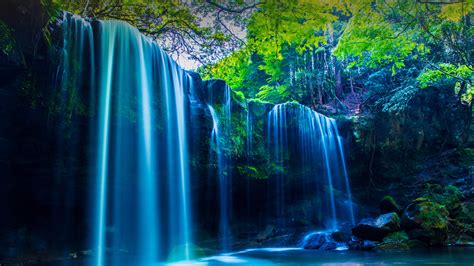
377	229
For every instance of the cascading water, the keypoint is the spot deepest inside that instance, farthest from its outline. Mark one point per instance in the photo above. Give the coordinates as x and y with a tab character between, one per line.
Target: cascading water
249	130
142	199
220	135
304	139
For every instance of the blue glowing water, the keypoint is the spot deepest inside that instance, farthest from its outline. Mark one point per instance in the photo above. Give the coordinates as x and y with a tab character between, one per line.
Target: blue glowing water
142	199
220	136
303	137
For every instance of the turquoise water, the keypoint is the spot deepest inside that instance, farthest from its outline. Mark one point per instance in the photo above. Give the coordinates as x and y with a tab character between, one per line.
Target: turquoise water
282	256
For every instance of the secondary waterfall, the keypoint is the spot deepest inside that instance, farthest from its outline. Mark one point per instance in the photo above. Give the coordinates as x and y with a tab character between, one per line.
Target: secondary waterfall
304	139
138	106
219	149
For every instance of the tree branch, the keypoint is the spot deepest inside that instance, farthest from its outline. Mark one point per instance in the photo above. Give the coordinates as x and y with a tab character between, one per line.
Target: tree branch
231	10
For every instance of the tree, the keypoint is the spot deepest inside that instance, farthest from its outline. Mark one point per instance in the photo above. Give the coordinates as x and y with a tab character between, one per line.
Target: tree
175	24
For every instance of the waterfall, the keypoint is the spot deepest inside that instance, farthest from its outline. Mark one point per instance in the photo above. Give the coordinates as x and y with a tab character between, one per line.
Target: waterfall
248	130
220	139
304	139
141	203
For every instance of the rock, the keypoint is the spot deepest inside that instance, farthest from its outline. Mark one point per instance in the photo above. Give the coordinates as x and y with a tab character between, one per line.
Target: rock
377	229
267	233
340	236
461	234
426	221
392	246
394	241
329	245
321	241
388	204
315	241
416	244
466	213
365	245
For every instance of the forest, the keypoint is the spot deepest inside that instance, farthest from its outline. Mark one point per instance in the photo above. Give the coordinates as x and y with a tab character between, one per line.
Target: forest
247	132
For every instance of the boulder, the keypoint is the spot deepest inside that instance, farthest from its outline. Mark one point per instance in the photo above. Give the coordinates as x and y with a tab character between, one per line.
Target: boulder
267	233
388	204
321	241
426	221
340	236
377	229
394	241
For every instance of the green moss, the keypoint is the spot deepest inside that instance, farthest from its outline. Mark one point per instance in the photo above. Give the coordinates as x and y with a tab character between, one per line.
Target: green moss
449	196
7	41
239	97
251	172
388	204
433	215
397	237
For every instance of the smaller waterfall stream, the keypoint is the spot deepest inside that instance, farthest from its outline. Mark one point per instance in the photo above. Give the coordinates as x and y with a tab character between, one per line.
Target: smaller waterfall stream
220	139
301	138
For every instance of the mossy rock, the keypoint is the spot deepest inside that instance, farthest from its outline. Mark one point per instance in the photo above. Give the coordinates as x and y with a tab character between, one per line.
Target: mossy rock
394	241
426	221
388	204
466	213
448	196
392	246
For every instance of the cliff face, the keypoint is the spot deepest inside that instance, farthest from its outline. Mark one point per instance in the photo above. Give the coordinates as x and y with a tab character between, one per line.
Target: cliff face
399	153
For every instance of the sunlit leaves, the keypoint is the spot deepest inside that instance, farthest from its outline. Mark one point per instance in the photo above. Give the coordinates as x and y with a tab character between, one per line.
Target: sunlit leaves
369	39
462	75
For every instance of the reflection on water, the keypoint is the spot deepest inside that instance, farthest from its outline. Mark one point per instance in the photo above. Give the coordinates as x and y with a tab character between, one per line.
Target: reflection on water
297	256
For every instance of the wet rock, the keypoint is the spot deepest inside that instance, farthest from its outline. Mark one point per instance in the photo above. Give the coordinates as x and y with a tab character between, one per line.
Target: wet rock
321	241
466	213
376	230
329	245
315	241
394	241
414	243
365	245
388	204
459	233
340	236
392	246
267	233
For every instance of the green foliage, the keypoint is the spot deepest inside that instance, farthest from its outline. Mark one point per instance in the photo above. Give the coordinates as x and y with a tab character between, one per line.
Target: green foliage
311	50
369	39
396	237
449	196
251	172
273	93
433	215
175	24
461	75
7	41
239	97
389	202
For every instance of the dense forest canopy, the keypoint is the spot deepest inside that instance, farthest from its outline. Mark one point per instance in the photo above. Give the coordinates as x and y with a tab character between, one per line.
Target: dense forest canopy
313	52
306	50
